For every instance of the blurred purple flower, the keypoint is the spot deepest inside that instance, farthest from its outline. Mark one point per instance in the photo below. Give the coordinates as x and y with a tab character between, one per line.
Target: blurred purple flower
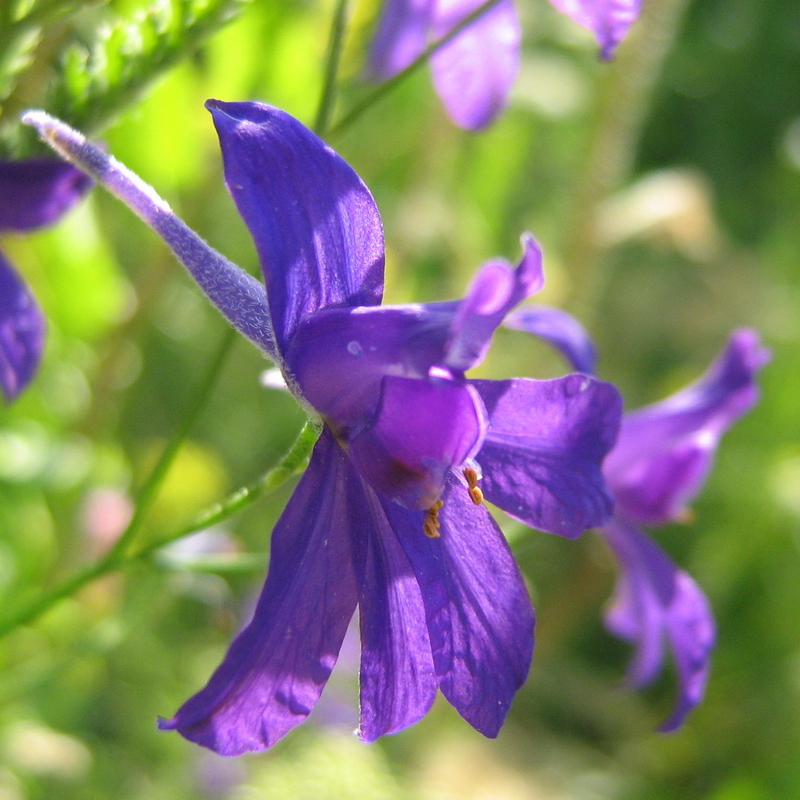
658	465
388	516
660	462
474	72
33	194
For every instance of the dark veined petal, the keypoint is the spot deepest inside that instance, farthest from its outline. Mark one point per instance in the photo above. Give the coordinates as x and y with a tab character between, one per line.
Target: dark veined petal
37	192
608	20
655	601
422	429
542	456
238	296
339	357
479	614
561	330
665	450
494	291
474	72
316	227
276	668
401	36
397	684
22	328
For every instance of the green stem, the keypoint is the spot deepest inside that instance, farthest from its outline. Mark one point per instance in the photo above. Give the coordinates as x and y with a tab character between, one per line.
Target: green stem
621	111
387	86
146	495
328	97
148	492
292	462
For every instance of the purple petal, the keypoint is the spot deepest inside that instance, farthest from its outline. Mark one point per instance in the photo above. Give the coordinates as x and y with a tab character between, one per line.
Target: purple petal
655	601
276	668
239	296
37	192
608	20
542	456
561	330
480	617
397	683
423	428
474	72
495	290
401	36
314	222
665	450
22	328
338	357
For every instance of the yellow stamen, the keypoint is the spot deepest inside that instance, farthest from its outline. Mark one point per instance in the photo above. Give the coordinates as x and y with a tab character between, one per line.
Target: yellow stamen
475	494
430	522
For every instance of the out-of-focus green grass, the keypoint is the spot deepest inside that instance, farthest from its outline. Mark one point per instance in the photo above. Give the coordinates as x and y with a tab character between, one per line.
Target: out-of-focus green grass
130	335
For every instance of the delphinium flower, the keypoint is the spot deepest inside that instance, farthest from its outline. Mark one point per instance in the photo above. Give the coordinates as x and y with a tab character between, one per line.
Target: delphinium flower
473	73
389	516
658	465
33	194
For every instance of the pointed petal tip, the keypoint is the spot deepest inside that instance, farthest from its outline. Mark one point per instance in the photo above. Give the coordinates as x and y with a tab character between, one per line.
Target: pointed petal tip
746	343
165	724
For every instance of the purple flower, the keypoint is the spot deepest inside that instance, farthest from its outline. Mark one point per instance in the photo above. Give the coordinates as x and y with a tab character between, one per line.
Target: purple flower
388	516
474	72
33	194
661	459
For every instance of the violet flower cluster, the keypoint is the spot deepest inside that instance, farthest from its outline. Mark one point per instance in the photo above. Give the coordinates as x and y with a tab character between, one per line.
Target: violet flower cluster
658	465
33	194
473	73
388	518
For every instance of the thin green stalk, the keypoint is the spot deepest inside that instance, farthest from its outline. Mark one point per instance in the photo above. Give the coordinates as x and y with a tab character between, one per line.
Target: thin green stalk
622	105
327	99
149	490
144	501
293	461
387	86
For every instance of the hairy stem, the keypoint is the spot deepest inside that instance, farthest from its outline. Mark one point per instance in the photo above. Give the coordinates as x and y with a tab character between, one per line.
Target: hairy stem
621	111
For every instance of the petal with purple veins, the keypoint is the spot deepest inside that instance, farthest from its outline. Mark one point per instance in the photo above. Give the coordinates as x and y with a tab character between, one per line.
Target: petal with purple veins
316	227
397	684
495	290
422	429
22	328
561	330
339	357
665	450
542	455
608	20
37	192
479	614
277	667
654	602
474	72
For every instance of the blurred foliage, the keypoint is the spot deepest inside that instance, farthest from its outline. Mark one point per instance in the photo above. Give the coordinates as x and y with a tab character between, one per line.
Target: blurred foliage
703	237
